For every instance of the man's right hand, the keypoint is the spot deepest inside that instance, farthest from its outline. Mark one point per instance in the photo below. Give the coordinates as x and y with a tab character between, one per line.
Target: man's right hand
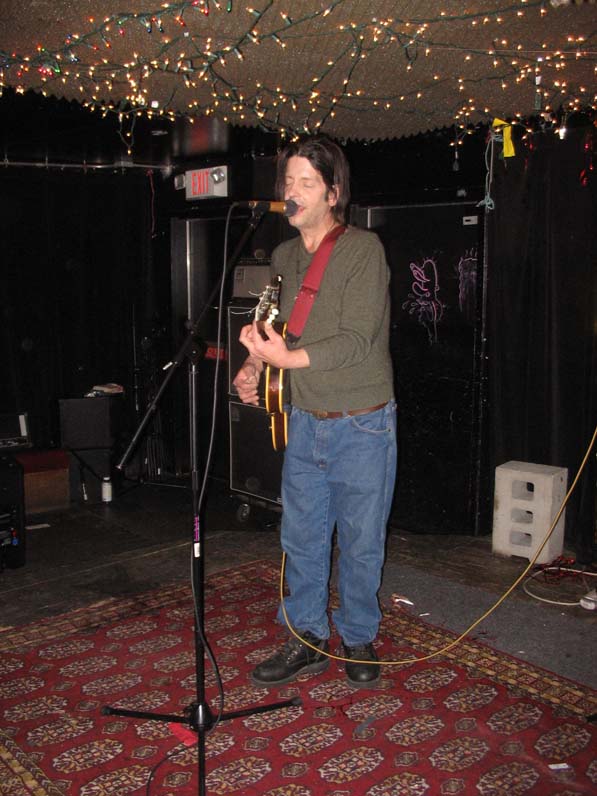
246	382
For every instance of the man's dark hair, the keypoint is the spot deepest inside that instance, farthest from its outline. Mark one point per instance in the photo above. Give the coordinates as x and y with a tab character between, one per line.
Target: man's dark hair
329	160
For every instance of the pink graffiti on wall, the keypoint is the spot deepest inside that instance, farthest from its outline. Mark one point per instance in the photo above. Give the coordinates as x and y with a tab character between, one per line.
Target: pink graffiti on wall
423	301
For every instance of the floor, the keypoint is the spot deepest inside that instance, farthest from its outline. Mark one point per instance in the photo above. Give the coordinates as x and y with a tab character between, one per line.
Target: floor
141	540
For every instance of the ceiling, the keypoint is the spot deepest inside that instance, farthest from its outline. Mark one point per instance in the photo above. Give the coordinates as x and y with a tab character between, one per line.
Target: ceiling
354	69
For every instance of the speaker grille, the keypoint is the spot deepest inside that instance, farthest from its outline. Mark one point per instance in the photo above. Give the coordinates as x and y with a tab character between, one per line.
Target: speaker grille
255	467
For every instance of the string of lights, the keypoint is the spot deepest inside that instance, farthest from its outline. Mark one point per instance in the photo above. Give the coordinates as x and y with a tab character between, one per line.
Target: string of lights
197	58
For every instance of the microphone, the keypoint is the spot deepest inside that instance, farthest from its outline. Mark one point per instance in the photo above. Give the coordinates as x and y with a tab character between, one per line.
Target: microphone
288	208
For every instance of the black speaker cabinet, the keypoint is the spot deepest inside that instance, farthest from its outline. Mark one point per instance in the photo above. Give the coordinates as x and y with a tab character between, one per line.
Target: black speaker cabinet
255	467
90	430
12	512
438	336
90	422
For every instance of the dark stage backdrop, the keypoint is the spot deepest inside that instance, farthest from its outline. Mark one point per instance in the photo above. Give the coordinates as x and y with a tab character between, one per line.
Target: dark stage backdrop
542	314
76	258
435	255
86	268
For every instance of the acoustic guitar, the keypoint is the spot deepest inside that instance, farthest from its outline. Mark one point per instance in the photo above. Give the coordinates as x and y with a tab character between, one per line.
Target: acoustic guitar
267	311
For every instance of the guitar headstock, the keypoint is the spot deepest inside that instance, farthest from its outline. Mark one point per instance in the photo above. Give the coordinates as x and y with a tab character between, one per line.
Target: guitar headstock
268	307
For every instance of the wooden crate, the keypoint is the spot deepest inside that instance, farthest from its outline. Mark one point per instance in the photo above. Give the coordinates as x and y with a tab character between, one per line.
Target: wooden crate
46	480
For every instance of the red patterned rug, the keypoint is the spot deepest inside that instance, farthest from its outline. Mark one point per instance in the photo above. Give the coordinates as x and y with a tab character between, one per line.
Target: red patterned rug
473	721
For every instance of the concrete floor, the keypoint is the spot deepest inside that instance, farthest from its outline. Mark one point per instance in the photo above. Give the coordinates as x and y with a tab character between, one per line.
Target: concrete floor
142	540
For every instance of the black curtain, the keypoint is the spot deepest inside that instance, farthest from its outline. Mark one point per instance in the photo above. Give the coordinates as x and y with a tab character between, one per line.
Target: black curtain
75	247
542	314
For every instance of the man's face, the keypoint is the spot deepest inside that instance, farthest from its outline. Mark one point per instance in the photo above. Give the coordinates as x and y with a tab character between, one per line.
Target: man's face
305	186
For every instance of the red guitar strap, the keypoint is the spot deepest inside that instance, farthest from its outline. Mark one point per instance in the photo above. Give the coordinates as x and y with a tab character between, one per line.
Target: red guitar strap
310	287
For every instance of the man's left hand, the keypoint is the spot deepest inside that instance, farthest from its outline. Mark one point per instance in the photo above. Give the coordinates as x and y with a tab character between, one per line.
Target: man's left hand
272	350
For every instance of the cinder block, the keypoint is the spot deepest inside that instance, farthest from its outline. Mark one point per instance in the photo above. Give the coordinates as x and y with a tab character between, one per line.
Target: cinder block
526	500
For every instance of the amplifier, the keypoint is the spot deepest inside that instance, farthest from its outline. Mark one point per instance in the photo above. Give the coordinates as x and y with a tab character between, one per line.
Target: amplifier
14	432
12	513
250	279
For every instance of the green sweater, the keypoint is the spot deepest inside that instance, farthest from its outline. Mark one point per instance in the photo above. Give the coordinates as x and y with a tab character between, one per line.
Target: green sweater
347	332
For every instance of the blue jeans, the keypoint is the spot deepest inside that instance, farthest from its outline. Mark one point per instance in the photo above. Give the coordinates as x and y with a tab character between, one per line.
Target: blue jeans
337	473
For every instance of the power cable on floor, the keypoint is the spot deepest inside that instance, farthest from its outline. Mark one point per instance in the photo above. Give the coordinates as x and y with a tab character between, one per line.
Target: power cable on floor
478	621
556	569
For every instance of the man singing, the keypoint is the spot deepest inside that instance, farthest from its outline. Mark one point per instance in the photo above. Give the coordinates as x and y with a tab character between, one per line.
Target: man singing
340	460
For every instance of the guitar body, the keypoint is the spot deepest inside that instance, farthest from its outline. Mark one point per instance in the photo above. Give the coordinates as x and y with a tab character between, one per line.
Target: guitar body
266	311
275	399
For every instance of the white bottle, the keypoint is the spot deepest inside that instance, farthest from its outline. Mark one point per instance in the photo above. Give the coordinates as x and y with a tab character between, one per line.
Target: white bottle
106	489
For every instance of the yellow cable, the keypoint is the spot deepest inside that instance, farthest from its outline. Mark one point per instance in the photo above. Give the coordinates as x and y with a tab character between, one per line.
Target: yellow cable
476	622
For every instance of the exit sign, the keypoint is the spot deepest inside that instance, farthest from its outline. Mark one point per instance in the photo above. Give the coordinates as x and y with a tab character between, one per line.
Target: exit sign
203	183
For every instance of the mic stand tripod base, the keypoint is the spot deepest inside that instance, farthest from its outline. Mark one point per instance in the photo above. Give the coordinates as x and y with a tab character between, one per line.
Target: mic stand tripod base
200	717
200	720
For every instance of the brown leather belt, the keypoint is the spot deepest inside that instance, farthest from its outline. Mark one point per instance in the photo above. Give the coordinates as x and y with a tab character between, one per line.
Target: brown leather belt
322	415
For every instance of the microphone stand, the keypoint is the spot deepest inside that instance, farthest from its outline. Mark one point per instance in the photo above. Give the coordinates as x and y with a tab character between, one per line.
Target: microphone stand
198	716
